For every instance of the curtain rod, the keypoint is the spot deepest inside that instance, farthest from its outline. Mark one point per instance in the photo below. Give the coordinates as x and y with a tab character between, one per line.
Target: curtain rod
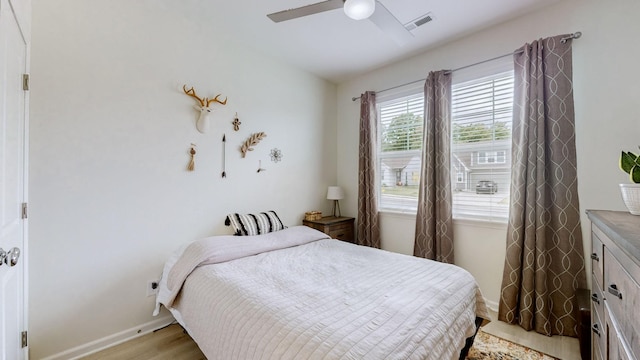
575	35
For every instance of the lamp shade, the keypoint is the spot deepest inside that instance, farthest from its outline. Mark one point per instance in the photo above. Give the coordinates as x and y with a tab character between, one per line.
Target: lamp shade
359	9
335	193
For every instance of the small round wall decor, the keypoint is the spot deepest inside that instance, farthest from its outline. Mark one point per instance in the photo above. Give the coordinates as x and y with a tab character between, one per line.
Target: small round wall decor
276	155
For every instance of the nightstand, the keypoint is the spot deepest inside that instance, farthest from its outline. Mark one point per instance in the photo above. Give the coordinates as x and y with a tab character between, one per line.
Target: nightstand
341	228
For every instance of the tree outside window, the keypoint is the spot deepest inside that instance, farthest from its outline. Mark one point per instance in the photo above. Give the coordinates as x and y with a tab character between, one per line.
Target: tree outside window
403	133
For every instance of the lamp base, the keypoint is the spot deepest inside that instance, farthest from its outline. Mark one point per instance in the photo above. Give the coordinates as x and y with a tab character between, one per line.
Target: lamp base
336	204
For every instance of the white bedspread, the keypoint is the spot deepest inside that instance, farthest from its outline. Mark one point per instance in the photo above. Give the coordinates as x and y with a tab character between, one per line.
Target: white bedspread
317	298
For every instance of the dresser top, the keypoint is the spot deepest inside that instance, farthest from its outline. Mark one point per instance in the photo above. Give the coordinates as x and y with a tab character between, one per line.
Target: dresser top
621	227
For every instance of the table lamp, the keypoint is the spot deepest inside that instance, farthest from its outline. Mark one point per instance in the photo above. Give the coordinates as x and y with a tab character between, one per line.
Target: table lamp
335	193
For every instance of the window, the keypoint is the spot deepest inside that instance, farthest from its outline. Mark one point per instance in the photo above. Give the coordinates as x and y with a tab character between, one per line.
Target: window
481	111
491	157
399	152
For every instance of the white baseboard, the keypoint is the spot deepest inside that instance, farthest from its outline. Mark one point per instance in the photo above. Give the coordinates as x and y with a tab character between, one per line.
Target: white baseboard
112	340
492	305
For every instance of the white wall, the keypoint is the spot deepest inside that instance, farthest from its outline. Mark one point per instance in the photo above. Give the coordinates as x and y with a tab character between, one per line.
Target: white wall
606	87
110	131
110	196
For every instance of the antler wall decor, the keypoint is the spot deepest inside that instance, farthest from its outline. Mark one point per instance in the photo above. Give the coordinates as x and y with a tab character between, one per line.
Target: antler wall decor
253	140
204	107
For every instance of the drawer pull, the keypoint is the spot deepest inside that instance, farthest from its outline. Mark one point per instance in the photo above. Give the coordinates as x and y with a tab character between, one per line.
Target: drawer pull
595	329
613	290
595	257
594	298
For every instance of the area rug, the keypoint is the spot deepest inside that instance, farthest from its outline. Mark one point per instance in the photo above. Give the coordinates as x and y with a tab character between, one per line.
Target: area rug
489	347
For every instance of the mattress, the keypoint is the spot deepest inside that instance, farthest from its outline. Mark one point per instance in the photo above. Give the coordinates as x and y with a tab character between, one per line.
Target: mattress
296	294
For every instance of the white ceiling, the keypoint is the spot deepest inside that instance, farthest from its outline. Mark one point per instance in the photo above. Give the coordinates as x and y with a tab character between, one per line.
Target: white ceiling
333	46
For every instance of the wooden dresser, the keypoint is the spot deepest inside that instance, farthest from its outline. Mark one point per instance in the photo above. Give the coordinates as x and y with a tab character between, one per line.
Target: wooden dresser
341	228
615	305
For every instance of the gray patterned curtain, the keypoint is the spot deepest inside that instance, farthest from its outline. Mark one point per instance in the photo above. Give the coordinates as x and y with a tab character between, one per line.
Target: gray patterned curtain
544	264
434	226
368	232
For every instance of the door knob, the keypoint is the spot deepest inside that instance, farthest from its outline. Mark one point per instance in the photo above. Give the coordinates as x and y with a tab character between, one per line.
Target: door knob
3	256
12	256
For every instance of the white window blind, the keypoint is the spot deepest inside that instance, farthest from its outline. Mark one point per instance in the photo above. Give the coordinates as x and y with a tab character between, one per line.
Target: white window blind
481	147
399	153
482	98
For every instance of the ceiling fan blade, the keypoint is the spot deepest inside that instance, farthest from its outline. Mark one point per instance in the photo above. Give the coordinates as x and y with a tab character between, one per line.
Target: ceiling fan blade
390	25
306	10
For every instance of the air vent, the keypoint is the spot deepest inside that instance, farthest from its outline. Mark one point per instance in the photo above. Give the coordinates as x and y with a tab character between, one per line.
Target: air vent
414	24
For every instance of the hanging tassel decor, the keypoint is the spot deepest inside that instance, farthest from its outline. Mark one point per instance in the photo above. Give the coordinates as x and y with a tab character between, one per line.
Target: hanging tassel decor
192	163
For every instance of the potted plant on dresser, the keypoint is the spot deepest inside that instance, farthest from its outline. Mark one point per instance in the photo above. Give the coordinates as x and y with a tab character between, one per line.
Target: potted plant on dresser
630	163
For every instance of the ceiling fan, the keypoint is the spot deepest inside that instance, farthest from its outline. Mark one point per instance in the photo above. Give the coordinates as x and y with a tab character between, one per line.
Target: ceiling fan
355	9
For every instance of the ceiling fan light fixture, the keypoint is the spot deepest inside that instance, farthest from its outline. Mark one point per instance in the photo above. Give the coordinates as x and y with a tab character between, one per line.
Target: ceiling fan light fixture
359	9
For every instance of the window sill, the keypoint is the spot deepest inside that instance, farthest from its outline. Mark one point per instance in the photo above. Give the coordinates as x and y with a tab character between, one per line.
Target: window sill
397	213
500	225
464	222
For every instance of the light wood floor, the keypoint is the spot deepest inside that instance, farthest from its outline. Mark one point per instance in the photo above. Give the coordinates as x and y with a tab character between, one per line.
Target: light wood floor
164	344
561	347
172	343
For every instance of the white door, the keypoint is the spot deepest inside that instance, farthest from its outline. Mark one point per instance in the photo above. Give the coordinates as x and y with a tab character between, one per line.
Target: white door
13	63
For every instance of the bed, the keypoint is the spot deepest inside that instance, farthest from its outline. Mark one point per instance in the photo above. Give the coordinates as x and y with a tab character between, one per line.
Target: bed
297	294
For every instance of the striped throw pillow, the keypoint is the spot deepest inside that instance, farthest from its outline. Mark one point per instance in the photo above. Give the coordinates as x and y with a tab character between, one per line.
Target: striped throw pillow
254	224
